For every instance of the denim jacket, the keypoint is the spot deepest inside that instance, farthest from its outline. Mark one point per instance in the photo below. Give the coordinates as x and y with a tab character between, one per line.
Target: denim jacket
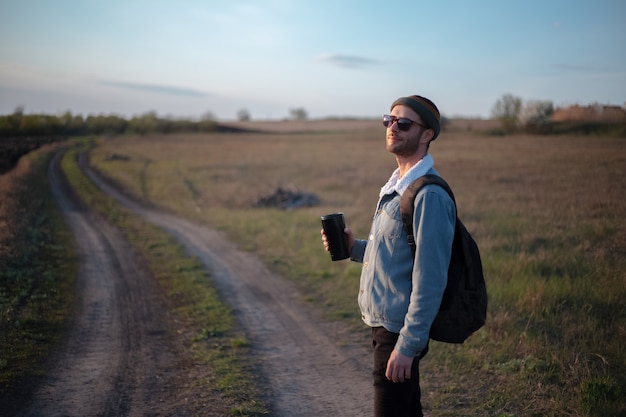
399	291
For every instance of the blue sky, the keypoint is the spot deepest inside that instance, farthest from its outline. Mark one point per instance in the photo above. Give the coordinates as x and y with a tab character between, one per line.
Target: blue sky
338	58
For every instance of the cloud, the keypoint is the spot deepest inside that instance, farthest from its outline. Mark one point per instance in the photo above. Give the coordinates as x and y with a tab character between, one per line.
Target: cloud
346	61
156	88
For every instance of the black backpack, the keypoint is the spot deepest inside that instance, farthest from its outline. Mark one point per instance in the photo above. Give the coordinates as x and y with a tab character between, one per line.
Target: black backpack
463	308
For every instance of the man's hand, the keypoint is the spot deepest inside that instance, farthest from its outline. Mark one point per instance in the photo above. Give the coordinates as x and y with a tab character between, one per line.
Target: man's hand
398	367
347	231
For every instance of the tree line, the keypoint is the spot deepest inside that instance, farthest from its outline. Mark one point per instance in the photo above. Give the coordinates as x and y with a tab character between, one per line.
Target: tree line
67	124
514	115
19	124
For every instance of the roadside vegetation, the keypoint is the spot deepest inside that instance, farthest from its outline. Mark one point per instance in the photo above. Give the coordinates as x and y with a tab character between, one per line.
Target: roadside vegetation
547	211
200	316
37	272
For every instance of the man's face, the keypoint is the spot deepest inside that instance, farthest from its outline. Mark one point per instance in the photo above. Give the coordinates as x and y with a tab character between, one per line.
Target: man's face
403	143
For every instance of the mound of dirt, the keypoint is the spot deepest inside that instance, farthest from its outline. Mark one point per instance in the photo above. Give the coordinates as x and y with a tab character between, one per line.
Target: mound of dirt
288	198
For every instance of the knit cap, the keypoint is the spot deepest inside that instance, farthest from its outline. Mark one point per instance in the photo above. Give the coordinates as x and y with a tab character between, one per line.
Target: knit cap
425	108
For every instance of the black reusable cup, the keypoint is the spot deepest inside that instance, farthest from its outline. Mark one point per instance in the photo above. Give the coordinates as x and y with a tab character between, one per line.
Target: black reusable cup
333	225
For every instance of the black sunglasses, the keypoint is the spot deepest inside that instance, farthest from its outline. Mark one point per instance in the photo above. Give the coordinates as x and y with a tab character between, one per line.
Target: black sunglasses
404	124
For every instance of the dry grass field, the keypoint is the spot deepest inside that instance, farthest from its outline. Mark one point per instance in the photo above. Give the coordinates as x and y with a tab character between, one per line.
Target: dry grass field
549	214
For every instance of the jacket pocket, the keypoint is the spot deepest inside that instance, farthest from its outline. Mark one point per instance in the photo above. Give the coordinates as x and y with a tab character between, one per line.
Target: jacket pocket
390	222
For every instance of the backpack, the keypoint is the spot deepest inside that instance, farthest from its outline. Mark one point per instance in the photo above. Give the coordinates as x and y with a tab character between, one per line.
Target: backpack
463	307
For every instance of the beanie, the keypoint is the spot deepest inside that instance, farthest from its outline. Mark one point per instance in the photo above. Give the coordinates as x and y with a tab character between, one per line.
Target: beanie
425	108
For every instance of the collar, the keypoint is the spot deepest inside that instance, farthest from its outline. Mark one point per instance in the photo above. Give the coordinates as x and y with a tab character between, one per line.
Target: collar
399	185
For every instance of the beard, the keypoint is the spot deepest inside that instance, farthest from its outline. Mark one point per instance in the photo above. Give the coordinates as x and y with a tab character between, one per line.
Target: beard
401	145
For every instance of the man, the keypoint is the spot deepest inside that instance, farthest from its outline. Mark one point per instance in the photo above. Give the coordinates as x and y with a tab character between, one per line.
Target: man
400	292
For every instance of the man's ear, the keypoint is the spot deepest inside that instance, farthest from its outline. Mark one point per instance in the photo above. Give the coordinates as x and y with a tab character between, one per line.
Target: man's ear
427	136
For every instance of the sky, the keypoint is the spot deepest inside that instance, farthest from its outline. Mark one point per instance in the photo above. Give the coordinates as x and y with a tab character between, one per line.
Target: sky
352	58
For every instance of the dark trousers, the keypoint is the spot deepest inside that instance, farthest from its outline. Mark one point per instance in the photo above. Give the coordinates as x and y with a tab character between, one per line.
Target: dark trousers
394	399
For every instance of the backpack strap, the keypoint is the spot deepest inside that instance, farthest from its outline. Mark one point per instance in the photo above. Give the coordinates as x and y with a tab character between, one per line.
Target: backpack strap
407	202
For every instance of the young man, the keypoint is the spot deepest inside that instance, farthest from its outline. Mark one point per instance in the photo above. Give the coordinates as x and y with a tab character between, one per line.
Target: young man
400	292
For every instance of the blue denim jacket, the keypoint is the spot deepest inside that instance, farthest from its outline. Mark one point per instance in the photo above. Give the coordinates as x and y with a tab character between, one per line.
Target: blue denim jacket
399	291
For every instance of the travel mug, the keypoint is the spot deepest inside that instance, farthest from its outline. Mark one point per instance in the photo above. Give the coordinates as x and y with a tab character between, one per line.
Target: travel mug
333	225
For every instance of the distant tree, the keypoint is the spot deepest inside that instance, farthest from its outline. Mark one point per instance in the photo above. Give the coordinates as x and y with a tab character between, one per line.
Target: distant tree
243	115
173	125
146	123
6	127
208	115
536	112
111	124
40	125
76	125
207	122
14	120
72	125
298	114
507	110
536	115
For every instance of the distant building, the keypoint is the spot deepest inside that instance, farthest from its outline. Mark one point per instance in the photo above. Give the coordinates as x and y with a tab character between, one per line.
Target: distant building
593	113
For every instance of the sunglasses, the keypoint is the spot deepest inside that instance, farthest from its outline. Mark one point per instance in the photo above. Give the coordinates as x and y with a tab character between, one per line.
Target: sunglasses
403	123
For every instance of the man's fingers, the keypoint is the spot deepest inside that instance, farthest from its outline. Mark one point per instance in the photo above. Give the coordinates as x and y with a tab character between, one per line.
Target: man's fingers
397	375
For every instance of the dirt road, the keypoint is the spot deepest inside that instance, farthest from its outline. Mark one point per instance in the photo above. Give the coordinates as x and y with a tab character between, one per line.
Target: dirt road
116	362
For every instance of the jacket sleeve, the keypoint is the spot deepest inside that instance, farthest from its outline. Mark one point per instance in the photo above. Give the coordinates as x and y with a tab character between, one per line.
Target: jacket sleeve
358	250
434	222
